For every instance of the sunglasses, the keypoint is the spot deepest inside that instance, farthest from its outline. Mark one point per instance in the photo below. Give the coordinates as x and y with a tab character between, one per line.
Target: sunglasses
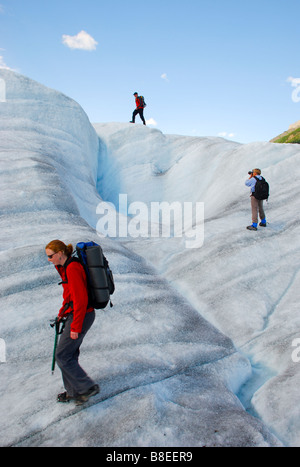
51	256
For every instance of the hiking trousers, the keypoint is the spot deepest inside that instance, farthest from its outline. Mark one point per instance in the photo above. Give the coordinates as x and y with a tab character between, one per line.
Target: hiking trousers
75	379
257	208
141	113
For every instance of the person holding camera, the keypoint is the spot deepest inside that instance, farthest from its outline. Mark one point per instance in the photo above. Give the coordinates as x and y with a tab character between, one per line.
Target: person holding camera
256	204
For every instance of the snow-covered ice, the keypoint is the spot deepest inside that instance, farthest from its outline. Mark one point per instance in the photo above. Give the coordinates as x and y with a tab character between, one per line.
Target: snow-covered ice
194	333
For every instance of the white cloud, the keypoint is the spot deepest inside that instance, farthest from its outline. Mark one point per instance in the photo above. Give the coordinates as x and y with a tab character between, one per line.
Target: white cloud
151	121
224	134
164	77
82	41
3	64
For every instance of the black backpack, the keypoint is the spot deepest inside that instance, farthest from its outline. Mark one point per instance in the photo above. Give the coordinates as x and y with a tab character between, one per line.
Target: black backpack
261	189
100	278
142	101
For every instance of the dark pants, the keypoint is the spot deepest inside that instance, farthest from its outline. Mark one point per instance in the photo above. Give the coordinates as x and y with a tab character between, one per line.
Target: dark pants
257	208
141	113
75	379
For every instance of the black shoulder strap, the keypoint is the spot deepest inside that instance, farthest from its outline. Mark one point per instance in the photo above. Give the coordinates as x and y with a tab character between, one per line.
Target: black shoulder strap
70	260
259	179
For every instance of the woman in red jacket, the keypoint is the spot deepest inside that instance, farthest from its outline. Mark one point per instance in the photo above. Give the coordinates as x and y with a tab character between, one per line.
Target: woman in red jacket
79	318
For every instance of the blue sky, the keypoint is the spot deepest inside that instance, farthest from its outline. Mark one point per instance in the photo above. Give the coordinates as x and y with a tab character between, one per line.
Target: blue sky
205	67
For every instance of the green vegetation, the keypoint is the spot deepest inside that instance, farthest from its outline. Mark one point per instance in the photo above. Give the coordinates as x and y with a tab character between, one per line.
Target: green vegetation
292	136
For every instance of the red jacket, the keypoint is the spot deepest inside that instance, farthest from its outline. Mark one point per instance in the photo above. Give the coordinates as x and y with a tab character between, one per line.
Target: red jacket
75	294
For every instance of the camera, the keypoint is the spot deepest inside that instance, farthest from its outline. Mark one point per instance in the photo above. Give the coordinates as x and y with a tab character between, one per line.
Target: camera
250	173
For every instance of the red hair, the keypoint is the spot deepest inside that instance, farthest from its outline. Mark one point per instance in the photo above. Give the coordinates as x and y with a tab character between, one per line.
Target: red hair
58	245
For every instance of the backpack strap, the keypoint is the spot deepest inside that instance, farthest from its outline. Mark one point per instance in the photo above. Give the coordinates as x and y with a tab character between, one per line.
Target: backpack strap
70	260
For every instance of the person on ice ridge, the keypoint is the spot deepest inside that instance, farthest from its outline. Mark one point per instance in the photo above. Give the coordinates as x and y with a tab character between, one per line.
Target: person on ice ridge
140	105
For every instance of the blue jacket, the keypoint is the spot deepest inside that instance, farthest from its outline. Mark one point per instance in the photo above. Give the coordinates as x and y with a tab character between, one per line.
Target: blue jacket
252	182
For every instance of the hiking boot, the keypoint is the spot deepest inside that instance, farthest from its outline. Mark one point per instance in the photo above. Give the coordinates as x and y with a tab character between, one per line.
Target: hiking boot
82	398
251	227
64	397
263	224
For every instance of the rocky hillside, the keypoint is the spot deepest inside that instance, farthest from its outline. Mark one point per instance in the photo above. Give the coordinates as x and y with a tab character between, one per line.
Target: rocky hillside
292	135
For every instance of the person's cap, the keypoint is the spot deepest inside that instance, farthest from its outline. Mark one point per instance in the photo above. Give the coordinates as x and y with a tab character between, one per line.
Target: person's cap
135	93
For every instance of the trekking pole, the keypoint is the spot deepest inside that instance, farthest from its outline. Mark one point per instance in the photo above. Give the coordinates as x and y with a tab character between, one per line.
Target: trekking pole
55	345
58	331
